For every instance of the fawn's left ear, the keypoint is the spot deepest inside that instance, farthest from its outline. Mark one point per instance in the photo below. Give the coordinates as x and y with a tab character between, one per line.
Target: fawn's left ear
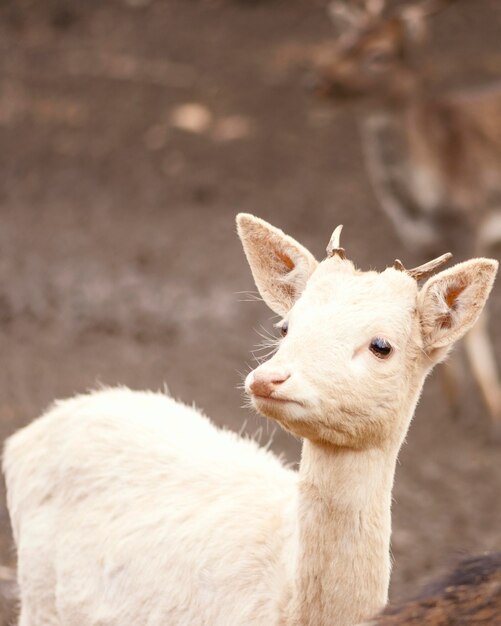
280	265
450	303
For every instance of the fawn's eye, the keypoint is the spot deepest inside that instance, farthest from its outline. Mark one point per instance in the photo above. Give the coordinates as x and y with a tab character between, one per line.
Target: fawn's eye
380	348
284	328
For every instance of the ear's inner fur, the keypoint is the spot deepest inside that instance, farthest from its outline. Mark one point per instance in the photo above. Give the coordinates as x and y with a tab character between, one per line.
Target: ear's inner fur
280	265
451	299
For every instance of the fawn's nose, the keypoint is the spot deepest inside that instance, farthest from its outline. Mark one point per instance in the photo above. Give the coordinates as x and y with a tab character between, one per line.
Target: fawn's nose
263	382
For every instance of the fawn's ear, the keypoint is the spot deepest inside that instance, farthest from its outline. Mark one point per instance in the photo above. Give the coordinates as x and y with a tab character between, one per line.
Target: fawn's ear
280	265
450	303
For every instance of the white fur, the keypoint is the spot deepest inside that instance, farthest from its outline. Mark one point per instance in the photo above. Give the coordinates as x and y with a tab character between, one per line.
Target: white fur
131	508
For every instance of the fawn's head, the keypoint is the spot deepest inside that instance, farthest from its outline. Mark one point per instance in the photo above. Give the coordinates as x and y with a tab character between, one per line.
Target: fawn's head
356	345
373	56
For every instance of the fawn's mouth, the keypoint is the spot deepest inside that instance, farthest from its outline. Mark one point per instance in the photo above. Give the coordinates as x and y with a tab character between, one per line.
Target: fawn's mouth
274	400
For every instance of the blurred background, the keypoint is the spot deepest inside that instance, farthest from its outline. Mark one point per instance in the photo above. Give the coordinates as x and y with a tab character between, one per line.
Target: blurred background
132	132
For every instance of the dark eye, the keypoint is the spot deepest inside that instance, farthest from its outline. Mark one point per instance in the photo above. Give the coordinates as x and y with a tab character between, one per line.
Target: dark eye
284	328
380	348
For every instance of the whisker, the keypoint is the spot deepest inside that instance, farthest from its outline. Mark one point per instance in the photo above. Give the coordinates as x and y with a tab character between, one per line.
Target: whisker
250	296
242	428
271	347
264	333
258	434
268	445
264	357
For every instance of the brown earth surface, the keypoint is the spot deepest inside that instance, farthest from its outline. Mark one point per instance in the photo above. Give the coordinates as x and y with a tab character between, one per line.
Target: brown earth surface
119	260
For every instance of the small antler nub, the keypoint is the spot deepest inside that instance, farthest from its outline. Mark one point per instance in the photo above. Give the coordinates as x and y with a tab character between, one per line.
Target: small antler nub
333	248
425	270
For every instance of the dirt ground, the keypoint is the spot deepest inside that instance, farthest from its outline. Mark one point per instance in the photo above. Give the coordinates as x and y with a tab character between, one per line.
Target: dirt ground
119	261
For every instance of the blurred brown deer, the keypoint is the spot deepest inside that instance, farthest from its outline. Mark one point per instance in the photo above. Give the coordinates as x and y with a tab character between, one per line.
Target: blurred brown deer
434	160
471	595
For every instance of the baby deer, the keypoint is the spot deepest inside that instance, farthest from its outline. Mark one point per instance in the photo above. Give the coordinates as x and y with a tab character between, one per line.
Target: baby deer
131	508
434	160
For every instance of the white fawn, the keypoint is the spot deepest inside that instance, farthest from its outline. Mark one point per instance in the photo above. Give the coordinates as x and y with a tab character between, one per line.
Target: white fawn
434	159
131	508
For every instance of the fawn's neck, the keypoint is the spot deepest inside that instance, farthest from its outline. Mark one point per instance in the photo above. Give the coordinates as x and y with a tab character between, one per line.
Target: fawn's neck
342	560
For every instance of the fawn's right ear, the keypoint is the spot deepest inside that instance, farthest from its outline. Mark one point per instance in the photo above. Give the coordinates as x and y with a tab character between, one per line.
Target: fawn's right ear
280	265
451	302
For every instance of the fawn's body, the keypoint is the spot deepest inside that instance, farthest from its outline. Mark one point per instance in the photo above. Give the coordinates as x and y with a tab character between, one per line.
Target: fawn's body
179	547
130	508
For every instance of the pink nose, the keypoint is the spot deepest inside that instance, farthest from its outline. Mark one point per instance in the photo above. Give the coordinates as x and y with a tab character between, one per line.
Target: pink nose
265	381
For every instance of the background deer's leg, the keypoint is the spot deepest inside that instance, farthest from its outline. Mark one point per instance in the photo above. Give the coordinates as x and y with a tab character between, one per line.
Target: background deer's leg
483	364
478	343
385	162
450	378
